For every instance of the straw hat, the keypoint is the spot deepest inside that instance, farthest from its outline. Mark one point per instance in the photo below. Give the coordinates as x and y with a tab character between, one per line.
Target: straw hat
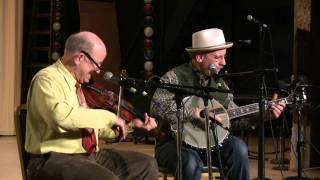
208	40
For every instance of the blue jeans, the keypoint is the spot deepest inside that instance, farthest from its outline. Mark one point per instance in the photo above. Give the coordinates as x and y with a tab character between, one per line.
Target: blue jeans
234	155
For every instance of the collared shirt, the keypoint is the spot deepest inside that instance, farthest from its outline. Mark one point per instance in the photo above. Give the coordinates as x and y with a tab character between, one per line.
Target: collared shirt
54	117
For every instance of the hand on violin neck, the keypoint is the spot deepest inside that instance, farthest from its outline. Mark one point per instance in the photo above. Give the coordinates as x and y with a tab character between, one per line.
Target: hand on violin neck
148	124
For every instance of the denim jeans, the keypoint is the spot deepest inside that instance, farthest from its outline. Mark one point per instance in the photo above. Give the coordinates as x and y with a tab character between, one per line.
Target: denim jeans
234	156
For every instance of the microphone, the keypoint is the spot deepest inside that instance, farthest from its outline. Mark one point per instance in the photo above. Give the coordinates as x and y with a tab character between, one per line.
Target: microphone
212	69
245	41
252	19
128	83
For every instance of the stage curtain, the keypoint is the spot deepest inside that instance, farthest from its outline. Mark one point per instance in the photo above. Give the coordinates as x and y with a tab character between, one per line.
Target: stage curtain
11	22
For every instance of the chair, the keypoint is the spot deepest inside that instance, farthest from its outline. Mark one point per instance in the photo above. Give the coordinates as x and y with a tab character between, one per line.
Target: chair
20	124
163	172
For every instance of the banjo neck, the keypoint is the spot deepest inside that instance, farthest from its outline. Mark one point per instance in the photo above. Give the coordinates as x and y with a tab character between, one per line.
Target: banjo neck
254	108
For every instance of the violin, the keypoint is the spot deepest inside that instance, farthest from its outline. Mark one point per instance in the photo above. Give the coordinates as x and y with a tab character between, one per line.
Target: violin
98	97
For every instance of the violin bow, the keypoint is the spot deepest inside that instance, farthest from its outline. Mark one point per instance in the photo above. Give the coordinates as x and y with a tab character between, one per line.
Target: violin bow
123	75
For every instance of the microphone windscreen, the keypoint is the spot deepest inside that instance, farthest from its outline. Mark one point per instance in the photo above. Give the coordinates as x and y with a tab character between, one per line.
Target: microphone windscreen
249	18
108	75
213	69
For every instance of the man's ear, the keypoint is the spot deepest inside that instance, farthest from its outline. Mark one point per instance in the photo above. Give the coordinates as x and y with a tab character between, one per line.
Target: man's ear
199	58
77	58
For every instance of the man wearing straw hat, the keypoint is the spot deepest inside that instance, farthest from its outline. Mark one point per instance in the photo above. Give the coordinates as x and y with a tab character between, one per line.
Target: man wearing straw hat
207	55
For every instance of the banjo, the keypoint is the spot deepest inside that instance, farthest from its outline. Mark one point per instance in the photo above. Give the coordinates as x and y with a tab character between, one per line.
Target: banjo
194	134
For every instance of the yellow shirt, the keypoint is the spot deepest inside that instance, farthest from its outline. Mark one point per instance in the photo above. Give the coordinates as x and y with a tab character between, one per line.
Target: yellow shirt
54	117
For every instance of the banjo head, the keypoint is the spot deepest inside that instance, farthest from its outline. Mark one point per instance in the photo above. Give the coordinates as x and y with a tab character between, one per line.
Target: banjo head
194	134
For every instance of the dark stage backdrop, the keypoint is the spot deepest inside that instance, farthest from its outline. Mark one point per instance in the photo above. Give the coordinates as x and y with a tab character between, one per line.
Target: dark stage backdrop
175	21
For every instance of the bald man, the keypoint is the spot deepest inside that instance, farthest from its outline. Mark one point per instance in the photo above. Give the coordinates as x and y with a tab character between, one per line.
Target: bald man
62	132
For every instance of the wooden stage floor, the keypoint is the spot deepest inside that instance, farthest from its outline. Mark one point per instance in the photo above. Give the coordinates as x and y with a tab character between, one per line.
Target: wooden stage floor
253	146
10	164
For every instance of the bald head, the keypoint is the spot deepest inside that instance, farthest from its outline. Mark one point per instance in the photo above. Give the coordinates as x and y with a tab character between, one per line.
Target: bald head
83	55
84	41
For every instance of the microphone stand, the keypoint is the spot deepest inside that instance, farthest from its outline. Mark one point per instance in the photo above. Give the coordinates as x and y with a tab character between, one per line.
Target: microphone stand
261	133
205	98
178	99
300	100
207	126
262	104
262	108
256	71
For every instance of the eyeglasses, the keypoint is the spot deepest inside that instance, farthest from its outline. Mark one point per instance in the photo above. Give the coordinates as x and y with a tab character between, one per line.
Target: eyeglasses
91	59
